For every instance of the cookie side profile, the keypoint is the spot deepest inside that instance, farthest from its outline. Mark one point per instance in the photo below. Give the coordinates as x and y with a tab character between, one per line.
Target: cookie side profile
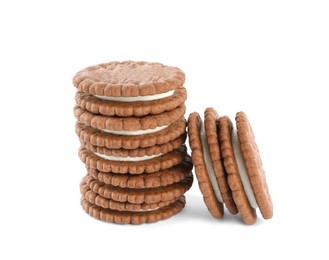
138	196
99	138
138	152
106	203
217	174
147	180
131	217
254	166
129	125
135	166
247	212
105	107
196	132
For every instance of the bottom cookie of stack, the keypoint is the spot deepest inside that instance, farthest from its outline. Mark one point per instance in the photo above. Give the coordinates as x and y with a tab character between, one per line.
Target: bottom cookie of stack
122	205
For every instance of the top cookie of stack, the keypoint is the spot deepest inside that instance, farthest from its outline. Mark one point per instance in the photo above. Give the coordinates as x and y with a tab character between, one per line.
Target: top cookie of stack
131	122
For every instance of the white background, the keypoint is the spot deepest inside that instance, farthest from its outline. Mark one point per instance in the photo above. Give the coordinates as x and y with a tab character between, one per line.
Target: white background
267	58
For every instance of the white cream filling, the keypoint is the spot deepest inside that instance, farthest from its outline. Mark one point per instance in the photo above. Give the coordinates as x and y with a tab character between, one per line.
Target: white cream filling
138	98
208	162
242	169
127	158
137	132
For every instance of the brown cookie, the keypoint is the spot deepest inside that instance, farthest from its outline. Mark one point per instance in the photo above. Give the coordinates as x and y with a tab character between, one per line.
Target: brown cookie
254	165
104	107
133	167
129	125
105	203
148	180
139	196
195	125
99	138
128	217
139	152
128	79
211	129
248	214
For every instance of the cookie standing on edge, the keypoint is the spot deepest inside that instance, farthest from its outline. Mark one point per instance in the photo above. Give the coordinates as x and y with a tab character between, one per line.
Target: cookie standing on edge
242	179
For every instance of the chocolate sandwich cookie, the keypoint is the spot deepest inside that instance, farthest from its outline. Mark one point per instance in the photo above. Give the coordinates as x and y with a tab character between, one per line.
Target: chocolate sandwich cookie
131	106
129	79
139	196
129	125
132	165
138	152
246	176
106	203
133	217
129	140
147	180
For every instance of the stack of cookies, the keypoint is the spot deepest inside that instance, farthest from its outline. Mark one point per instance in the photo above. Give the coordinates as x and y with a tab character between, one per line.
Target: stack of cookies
132	131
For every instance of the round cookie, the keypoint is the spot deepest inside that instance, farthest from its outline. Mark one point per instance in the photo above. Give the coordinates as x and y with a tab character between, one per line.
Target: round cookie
99	138
139	152
101	106
242	162
195	132
105	203
247	213
211	130
148	180
254	165
162	162
139	196
128	79
130	217
129	125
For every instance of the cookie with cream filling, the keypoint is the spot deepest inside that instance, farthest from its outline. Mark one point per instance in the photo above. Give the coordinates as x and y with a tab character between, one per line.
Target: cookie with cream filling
133	217
129	125
132	106
106	203
202	165
132	165
138	196
243	176
216	170
148	180
128	79
246	176
99	138
138	152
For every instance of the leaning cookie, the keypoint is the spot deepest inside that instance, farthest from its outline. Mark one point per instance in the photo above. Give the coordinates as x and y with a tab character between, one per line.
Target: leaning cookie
243	164
202	165
130	139
241	183
127	107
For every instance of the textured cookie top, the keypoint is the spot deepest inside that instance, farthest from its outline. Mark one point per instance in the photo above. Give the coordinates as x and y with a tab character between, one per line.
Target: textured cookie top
128	79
